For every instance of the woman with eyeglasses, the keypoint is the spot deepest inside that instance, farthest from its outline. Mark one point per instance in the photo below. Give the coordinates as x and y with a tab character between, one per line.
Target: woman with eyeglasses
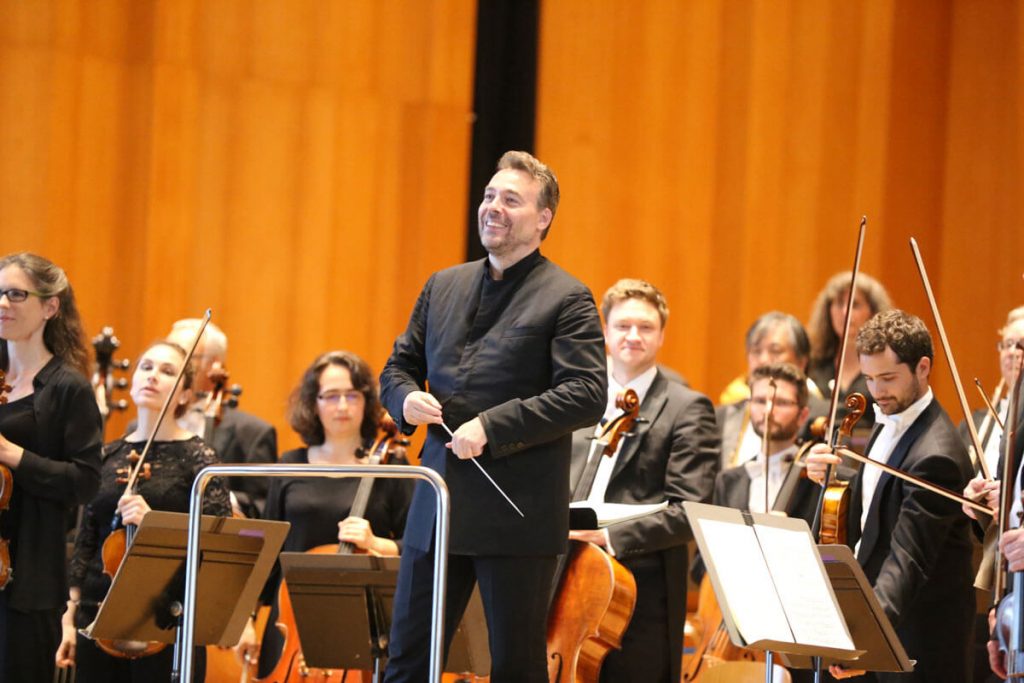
174	460
335	410
50	440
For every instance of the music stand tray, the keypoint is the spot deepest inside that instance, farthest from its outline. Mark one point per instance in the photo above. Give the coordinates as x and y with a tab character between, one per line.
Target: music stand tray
237	556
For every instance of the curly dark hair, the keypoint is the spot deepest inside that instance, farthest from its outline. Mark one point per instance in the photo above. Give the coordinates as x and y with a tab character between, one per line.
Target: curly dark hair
63	334
302	413
902	332
784	372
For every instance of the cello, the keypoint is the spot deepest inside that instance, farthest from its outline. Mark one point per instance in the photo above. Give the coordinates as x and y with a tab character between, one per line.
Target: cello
595	595
291	665
105	344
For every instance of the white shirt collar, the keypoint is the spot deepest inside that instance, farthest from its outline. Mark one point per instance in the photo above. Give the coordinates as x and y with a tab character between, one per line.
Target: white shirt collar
900	422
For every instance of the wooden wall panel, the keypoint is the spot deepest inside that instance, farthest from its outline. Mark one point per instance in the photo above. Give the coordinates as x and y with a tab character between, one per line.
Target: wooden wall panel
298	166
725	150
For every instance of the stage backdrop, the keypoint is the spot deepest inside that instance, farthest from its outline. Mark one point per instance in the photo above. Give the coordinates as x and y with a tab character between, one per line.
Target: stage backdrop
301	166
726	150
297	166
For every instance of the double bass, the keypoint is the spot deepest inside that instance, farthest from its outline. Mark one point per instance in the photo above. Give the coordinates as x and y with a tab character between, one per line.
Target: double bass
291	666
595	596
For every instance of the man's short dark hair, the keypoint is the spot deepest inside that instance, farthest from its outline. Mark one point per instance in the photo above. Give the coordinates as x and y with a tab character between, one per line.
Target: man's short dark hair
769	321
783	372
902	332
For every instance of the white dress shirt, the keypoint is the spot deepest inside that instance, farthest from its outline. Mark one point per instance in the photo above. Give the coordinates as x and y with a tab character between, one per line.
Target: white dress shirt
893	427
778	465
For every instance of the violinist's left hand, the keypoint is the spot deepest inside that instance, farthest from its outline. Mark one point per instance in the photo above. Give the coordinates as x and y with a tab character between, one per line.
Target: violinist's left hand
133	508
469	440
10	453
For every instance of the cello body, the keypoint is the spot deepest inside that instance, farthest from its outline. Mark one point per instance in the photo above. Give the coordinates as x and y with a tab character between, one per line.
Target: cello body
591	611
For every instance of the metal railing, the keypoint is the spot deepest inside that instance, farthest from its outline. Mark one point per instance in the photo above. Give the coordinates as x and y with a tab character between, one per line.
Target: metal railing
442	515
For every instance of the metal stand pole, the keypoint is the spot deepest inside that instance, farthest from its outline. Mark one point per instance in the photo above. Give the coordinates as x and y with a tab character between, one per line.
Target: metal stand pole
441	519
769	666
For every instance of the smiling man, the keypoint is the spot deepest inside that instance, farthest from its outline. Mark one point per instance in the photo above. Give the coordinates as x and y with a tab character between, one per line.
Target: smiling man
914	545
511	351
671	455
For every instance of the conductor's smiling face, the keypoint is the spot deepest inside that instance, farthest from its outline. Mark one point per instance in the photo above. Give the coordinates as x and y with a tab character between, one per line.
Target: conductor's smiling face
510	223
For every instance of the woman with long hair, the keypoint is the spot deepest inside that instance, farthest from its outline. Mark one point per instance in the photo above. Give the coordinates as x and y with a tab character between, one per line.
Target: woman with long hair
51	435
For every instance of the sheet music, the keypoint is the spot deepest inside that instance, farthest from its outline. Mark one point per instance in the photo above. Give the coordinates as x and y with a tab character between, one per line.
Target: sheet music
802	587
755	607
614	513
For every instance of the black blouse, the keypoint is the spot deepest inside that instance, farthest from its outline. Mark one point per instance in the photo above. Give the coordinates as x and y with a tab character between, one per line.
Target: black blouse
174	465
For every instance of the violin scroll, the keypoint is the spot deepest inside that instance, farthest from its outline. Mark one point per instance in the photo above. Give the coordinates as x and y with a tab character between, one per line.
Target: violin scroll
856	404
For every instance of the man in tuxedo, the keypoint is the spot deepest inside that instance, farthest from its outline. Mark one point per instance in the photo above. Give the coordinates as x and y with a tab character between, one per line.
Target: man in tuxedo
511	350
671	455
914	545
239	437
743	487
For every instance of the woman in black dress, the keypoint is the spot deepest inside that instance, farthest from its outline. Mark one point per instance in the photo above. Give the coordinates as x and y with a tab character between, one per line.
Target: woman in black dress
335	409
175	458
50	439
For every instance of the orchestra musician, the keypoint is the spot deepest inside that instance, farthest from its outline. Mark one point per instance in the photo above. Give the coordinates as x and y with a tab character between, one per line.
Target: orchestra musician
914	546
239	437
775	337
175	457
335	410
51	435
512	349
743	487
828	318
672	455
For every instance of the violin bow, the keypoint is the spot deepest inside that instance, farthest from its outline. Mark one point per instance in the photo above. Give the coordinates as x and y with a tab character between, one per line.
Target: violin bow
766	440
831	432
950	361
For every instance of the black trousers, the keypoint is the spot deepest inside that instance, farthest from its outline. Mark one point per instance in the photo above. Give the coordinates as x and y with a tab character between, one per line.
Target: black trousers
644	655
514	592
28	643
93	665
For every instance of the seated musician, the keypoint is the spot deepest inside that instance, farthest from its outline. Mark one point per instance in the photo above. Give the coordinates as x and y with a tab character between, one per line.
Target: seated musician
671	455
913	544
335	410
773	338
238	436
743	487
174	459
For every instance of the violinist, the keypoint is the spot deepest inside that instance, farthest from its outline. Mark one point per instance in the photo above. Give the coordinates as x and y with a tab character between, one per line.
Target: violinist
775	337
335	410
743	487
914	546
672	455
828	317
51	435
238	436
175	457
512	350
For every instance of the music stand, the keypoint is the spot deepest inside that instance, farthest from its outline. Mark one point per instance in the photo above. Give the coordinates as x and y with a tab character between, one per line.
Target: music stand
236	558
771	585
342	606
869	627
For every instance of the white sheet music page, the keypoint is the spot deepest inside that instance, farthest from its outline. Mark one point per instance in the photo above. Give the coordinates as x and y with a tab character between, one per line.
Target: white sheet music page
803	587
741	569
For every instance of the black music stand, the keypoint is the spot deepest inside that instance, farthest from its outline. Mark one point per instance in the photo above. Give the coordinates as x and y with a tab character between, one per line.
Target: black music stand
771	585
342	606
143	603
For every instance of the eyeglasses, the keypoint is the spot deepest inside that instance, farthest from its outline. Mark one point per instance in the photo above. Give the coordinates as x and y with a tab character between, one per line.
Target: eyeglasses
1004	345
16	296
332	398
783	403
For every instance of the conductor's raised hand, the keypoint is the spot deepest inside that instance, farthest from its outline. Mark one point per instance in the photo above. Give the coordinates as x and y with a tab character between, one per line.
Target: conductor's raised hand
469	440
820	457
420	408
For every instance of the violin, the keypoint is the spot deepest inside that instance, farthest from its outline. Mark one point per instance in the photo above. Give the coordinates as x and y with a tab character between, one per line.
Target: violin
219	397
291	666
595	596
6	490
836	497
105	344
120	538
